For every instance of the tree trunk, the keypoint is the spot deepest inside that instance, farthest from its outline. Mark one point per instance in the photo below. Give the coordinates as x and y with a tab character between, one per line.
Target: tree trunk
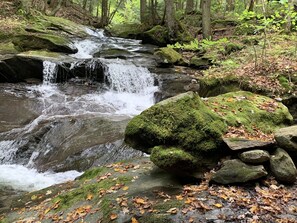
56	8
230	5
170	18
189	6
206	23
251	7
104	13
85	4
143	10
289	18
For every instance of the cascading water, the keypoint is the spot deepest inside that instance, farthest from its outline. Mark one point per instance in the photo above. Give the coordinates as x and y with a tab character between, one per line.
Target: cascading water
128	90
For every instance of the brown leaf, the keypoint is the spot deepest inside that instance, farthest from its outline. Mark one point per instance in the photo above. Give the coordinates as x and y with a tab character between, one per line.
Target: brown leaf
134	220
113	216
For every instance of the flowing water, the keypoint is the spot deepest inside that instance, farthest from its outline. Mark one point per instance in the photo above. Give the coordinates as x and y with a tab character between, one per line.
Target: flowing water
51	132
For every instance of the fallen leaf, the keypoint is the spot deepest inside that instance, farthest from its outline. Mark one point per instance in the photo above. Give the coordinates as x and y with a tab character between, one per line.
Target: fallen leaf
113	216
179	197
218	205
134	220
125	188
172	211
89	197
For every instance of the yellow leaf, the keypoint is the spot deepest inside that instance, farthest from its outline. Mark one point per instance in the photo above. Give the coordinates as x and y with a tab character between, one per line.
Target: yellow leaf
218	205
140	201
125	188
113	216
89	197
47	211
34	197
134	220
179	197
172	211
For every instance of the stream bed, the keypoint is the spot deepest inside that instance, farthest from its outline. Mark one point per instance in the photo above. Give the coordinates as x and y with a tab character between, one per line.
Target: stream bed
51	132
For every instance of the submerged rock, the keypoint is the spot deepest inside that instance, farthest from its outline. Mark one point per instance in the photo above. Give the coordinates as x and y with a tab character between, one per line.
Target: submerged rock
235	171
283	167
254	156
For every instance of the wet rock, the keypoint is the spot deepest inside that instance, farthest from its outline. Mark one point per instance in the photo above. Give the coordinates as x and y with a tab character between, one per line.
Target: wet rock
113	53
239	144
286	138
39	41
254	156
235	171
283	167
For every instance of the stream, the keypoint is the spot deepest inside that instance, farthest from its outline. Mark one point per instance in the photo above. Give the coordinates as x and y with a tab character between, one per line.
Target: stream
51	132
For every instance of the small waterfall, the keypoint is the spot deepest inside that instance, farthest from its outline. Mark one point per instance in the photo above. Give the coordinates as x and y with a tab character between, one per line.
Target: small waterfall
129	78
49	72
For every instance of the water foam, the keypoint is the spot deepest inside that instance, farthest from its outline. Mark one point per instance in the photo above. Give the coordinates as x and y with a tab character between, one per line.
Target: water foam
22	178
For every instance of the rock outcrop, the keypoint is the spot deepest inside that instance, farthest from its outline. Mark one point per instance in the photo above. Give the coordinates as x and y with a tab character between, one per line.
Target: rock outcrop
184	133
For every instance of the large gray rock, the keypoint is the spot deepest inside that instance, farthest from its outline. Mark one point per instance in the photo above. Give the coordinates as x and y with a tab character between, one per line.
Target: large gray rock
287	138
254	156
235	171
283	167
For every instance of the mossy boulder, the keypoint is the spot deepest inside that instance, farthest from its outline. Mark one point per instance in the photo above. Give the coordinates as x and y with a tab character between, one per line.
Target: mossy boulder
158	35
185	124
184	133
168	56
200	62
132	31
49	42
250	110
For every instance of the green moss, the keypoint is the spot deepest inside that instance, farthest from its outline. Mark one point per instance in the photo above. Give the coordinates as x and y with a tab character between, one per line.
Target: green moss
200	62
173	159
158	35
285	83
79	194
165	206
155	218
215	86
168	55
248	109
50	42
127	30
7	48
183	121
232	47
92	173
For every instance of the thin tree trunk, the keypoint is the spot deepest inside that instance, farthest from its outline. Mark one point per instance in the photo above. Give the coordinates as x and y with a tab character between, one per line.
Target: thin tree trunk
104	13
289	19
189	6
56	9
251	7
170	18
206	23
143	10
